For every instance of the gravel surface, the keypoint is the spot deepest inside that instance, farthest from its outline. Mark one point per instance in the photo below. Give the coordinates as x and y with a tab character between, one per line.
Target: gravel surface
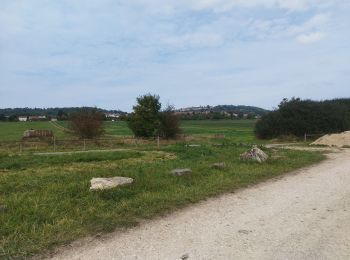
299	216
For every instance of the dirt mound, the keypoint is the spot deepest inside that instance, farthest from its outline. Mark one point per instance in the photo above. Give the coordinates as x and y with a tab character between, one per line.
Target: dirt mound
339	140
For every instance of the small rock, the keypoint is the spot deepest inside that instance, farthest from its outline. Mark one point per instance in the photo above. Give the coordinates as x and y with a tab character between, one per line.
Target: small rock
108	183
184	257
254	154
221	165
180	172
193	145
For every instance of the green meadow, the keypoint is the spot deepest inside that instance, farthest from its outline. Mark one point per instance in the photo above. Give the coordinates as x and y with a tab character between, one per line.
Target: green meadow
45	201
239	130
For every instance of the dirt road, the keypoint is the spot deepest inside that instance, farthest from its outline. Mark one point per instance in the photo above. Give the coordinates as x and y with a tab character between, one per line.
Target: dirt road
300	216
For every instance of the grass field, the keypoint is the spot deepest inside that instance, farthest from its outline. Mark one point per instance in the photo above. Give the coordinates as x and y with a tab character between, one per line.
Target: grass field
45	200
14	130
238	130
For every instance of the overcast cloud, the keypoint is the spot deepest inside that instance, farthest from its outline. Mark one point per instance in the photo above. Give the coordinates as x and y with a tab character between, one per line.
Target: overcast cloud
190	52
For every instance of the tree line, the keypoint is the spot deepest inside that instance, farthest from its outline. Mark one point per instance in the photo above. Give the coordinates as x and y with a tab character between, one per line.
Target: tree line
298	117
61	113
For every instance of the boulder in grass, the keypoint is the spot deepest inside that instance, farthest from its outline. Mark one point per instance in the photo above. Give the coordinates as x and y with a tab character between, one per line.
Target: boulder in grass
254	154
109	183
219	166
181	172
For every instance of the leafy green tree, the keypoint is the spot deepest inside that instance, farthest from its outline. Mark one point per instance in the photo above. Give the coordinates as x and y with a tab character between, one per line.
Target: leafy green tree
145	121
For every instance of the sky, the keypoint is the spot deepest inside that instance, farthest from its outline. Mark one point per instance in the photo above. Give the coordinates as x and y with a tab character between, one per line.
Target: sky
105	53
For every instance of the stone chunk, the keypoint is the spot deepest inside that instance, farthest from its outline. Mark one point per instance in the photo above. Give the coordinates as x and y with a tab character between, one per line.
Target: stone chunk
180	172
220	165
109	183
254	154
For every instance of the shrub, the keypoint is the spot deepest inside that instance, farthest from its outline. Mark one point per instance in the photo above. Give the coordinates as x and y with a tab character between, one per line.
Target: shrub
87	123
169	123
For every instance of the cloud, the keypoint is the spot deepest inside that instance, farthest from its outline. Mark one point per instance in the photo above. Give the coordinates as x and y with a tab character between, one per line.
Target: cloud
194	40
117	50
310	38
228	5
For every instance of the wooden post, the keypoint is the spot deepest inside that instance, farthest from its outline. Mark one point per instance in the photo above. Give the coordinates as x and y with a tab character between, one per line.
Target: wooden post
305	137
84	145
158	141
20	147
54	144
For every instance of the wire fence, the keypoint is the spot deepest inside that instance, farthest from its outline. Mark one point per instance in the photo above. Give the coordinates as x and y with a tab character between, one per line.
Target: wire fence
56	145
53	144
121	142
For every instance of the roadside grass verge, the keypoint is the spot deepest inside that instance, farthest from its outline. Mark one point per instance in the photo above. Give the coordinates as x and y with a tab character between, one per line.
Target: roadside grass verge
47	203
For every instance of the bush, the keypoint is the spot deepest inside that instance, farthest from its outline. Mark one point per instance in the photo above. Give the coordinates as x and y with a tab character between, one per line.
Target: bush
87	123
169	123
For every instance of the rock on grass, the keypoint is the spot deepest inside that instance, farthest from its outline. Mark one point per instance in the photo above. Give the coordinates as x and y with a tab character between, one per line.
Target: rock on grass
180	172
220	165
109	183
254	154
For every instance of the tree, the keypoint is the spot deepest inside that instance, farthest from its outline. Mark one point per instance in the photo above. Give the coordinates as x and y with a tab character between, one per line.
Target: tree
3	117
61	115
13	118
144	121
169	123
87	123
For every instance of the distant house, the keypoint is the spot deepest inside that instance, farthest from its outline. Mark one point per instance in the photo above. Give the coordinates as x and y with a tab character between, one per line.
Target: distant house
36	118
22	118
112	115
53	119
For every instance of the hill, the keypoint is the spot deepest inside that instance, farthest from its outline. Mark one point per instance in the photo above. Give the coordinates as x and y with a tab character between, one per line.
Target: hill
240	109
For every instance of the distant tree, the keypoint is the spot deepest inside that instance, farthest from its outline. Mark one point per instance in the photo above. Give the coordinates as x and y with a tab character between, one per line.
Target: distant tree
217	115
3	117
61	115
144	121
169	123
87	123
13	118
251	116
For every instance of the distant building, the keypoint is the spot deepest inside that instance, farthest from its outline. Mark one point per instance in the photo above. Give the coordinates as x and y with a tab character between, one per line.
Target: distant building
53	119
36	118
112	115
22	118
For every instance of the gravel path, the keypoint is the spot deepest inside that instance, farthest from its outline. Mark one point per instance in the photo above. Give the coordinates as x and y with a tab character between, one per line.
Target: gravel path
298	216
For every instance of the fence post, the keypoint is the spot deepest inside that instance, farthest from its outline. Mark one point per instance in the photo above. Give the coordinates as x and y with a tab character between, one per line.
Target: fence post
158	141
20	147
305	137
84	144
54	144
